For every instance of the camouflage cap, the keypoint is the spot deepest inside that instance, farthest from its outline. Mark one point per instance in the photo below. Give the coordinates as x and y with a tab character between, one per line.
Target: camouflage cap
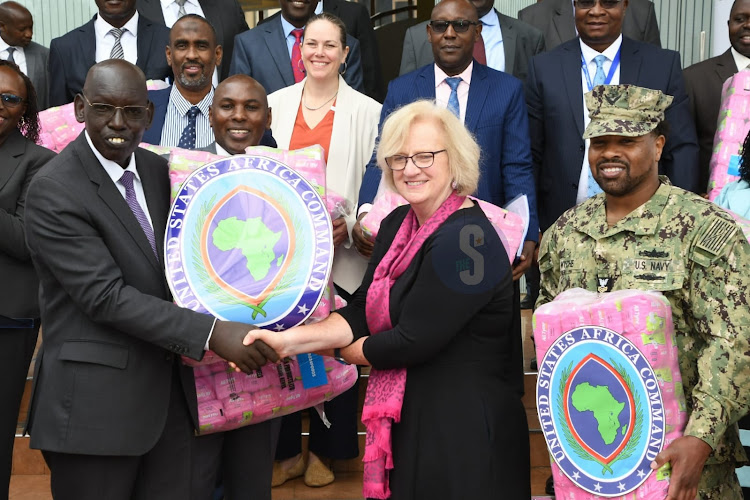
624	110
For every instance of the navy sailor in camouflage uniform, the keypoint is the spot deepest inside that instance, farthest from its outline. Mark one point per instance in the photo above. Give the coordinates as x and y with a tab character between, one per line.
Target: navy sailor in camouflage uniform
643	233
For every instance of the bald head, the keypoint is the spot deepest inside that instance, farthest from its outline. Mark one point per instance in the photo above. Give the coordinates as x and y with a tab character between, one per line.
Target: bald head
16	24
239	113
114	106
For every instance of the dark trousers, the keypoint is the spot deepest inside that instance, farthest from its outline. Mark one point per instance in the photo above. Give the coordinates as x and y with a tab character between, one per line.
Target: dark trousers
339	442
163	473
243	458
16	349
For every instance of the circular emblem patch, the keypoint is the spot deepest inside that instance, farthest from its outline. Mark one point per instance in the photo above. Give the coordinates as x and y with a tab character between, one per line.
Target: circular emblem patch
249	239
601	411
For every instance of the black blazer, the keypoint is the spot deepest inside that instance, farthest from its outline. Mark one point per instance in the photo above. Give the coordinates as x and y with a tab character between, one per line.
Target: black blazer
72	55
555	101
555	19
21	159
703	82
111	331
226	16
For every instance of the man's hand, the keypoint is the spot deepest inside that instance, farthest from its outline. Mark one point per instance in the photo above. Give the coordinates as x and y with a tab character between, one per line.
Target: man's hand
363	245
226	341
340	235
524	262
687	455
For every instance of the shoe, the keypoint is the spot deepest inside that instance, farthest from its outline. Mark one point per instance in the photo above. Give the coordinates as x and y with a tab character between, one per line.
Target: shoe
549	487
317	474
281	476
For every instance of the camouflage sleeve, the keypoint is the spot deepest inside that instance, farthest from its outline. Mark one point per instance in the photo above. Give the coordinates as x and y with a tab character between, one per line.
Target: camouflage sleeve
719	281
549	267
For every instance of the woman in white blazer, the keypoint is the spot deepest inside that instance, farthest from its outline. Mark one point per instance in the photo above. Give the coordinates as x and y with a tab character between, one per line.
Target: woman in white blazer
323	109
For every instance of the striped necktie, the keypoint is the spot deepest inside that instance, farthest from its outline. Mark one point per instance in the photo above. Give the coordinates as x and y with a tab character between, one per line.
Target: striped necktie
181	12
10	54
117	52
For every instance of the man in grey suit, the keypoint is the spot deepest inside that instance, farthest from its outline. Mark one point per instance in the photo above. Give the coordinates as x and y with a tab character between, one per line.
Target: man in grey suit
114	410
556	20
704	80
16	30
509	43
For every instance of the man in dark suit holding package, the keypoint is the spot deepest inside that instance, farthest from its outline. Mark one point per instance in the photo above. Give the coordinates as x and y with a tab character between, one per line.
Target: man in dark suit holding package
113	409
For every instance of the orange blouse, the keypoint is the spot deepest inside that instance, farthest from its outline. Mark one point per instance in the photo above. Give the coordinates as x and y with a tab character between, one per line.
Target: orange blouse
303	136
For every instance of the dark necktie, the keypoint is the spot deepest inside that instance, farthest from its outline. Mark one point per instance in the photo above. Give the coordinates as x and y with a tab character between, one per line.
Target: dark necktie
127	181
117	52
453	105
479	52
10	54
187	139
297	68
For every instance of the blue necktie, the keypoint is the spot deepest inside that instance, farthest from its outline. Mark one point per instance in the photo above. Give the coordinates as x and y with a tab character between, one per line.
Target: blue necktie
453	105
599	78
187	139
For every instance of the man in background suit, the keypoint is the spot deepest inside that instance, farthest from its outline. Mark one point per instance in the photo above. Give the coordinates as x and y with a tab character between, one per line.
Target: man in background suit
181	110
554	92
72	54
16	30
114	409
508	43
226	16
555	18
705	79
265	52
358	25
490	104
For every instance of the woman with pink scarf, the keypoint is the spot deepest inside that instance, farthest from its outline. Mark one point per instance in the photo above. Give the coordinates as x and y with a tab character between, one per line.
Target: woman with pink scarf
434	319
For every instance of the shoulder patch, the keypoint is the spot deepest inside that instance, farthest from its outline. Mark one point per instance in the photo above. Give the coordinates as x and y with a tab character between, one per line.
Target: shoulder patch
719	232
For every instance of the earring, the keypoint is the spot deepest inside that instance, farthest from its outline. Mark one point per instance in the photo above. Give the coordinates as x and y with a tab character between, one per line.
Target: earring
454	185
300	66
345	68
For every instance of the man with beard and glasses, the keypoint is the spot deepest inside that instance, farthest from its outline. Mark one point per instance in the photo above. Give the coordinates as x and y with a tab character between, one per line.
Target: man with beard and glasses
696	256
181	111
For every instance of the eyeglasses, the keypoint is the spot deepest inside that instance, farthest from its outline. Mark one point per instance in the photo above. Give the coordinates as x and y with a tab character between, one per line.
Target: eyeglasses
107	111
425	159
11	100
589	4
459	25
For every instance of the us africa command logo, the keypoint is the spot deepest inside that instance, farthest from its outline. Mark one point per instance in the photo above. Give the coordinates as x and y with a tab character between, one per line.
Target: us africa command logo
601	410
249	239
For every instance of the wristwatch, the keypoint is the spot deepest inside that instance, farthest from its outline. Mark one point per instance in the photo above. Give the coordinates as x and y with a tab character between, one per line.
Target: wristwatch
337	356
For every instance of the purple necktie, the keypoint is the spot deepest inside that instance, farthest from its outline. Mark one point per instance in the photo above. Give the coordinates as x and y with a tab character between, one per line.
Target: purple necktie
127	181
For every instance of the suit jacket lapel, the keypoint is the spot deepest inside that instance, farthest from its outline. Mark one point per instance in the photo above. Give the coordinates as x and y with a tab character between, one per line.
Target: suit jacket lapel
152	10
725	66
277	47
426	82
14	147
509	42
563	20
110	195
87	43
477	96
630	61
571	72
144	41
331	6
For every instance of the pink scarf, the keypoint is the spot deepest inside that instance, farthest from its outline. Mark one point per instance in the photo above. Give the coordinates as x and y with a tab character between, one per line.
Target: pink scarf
385	388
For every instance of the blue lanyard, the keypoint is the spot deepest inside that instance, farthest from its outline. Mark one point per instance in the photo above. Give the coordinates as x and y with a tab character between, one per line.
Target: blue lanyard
611	73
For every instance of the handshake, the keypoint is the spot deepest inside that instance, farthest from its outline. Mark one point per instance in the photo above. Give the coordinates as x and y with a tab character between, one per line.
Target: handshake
227	342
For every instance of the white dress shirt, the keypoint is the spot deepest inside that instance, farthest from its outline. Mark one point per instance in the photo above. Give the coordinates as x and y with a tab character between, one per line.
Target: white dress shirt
741	61
19	56
588	55
443	90
176	120
105	40
493	40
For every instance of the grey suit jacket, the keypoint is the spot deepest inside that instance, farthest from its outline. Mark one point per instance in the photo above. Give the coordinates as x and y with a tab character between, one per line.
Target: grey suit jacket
21	159
36	68
226	16
111	331
555	19
520	42
703	82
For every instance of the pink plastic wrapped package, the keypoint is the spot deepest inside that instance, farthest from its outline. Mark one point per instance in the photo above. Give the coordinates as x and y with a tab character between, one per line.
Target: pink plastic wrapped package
239	408
204	389
731	130
182	163
255	381
509	226
211	416
609	392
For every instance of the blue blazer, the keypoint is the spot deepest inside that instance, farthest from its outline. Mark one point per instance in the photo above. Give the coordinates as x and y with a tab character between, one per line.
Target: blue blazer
72	55
262	54
160	98
495	115
555	101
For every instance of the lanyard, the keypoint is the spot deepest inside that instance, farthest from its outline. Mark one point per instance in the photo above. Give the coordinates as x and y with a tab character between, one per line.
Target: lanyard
611	73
